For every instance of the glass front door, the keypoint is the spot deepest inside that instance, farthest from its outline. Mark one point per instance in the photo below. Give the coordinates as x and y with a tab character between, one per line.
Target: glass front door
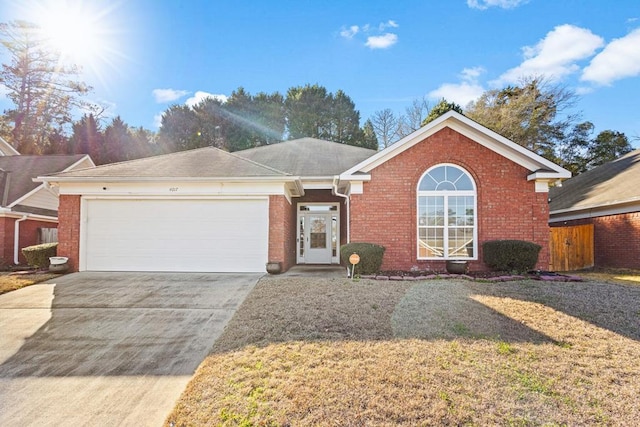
318	236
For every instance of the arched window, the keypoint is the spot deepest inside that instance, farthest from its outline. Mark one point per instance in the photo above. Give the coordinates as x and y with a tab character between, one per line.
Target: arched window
447	214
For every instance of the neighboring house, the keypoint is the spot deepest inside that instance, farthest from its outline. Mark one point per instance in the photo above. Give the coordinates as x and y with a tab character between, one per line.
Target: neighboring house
28	209
608	197
297	202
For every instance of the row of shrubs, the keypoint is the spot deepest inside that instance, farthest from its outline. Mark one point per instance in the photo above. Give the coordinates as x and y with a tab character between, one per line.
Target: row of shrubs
500	255
38	255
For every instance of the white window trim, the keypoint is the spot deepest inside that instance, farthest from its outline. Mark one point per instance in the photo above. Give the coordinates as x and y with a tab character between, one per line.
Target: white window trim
446	194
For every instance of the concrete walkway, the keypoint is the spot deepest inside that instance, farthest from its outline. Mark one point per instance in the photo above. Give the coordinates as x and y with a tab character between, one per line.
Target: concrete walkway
109	349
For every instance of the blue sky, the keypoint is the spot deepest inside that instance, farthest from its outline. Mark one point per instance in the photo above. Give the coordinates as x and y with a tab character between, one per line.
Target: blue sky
141	56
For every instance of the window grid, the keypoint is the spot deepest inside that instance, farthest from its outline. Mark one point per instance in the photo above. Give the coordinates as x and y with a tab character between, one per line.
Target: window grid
450	235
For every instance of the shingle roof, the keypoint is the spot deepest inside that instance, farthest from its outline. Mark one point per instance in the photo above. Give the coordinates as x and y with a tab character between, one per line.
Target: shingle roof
301	157
205	162
613	183
17	173
308	156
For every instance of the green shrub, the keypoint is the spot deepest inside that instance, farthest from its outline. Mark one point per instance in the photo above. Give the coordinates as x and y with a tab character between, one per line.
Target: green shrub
38	255
370	256
510	255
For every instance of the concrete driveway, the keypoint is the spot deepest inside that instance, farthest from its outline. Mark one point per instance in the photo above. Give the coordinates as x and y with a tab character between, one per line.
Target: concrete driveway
109	349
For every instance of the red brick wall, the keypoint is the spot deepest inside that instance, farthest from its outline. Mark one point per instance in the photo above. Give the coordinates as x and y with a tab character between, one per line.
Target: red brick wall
508	206
616	239
28	237
281	232
69	230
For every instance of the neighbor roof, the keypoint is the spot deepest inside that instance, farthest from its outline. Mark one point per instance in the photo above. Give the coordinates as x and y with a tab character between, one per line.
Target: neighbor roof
308	156
17	173
208	162
614	183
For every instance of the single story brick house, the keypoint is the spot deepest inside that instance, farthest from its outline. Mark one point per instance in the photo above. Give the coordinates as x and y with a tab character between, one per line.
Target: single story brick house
28	209
297	202
608	197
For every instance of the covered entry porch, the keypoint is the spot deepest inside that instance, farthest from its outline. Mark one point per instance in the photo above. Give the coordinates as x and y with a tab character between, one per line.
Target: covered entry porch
307	230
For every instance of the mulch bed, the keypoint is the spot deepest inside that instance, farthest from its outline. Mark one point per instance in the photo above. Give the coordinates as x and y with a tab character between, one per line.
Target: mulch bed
480	276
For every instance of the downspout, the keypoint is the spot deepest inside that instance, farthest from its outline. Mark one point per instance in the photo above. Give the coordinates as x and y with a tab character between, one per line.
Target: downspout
16	239
346	201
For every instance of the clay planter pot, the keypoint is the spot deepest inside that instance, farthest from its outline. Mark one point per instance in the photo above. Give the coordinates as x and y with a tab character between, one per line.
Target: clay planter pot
274	267
457	267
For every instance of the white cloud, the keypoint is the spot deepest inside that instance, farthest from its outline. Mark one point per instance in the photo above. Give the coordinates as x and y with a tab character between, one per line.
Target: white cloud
485	4
348	33
464	92
554	56
168	95
619	59
381	42
201	95
374	37
389	24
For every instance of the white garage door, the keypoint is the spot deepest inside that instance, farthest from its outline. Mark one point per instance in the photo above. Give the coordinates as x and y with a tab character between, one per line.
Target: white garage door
176	235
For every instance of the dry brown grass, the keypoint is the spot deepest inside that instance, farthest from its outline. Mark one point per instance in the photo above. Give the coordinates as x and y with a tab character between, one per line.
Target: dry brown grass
308	351
11	281
613	275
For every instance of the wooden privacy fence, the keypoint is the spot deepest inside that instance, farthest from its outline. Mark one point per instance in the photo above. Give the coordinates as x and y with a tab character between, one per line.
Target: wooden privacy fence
571	248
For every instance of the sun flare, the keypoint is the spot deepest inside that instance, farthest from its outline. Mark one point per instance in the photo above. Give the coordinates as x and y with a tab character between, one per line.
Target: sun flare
76	32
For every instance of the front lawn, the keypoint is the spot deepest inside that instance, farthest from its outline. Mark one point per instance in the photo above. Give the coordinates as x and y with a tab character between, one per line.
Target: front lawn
311	351
12	281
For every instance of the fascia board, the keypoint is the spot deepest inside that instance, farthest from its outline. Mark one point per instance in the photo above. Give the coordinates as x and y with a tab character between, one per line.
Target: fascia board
584	213
52	179
628	205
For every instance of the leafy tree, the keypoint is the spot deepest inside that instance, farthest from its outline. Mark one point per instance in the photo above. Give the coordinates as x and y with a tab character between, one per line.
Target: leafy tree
580	152
440	108
180	129
344	124
42	89
369	139
529	114
312	111
118	142
571	151
87	138
385	125
608	146
308	111
250	121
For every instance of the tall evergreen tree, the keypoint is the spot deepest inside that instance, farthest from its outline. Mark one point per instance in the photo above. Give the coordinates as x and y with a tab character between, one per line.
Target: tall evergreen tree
43	90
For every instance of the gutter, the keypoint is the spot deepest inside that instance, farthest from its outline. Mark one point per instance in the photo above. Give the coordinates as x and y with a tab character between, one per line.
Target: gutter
16	239
336	179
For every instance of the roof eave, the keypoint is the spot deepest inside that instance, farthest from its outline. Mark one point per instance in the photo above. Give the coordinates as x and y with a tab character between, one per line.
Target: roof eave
54	179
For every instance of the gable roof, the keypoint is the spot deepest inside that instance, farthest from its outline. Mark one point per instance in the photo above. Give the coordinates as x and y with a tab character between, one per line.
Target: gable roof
611	184
541	168
17	173
201	163
308	156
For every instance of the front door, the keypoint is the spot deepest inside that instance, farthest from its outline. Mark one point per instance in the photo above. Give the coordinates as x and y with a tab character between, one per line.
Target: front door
318	239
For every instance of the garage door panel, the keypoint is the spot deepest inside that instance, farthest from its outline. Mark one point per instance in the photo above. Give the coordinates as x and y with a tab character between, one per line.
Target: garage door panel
176	235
